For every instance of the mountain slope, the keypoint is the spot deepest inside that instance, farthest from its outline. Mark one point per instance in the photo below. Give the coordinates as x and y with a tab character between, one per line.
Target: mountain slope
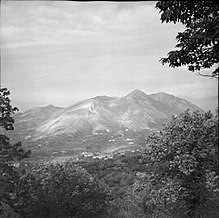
174	104
136	111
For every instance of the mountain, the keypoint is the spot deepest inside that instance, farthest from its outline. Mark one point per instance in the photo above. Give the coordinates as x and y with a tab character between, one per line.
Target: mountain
27	122
136	111
174	104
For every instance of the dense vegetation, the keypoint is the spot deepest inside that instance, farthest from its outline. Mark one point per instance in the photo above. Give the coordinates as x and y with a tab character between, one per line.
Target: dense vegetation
61	190
184	160
174	174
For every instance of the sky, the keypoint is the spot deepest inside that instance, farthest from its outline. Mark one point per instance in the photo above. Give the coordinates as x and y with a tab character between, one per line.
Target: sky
60	52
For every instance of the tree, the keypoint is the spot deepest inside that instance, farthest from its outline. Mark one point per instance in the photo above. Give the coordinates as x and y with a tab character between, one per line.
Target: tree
184	161
6	110
197	46
61	190
9	154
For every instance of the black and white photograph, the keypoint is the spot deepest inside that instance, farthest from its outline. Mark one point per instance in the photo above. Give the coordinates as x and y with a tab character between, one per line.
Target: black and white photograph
109	109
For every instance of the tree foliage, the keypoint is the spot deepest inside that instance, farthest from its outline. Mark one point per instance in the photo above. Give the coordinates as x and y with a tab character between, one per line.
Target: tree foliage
9	154
184	159
6	110
197	46
61	190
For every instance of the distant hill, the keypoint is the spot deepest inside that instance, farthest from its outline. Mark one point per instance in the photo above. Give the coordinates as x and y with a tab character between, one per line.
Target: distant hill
209	103
174	104
136	111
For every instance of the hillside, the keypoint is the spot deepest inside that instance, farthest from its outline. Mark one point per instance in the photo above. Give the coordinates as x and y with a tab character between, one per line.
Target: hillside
100	116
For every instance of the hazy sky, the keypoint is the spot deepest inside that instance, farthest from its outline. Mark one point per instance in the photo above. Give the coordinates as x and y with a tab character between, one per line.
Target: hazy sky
62	52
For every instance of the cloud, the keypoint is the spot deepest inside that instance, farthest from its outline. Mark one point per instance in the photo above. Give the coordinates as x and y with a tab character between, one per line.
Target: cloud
37	22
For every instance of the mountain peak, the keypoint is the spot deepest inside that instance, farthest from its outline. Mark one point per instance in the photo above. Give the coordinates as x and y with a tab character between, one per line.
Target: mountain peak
103	98
136	93
162	96
50	106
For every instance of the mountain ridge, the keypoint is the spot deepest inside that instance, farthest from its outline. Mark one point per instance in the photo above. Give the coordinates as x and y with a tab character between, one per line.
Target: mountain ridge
137	111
